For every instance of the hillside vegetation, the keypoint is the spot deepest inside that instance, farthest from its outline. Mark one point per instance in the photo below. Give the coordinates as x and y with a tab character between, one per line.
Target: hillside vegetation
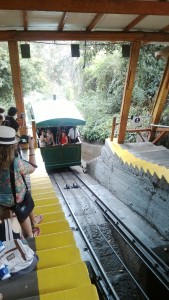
94	81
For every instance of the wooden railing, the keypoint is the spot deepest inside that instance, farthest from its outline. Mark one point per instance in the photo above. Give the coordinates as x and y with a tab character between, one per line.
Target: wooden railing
139	131
159	130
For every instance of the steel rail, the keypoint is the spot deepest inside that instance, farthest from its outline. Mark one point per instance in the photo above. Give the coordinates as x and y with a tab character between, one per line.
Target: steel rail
153	262
110	291
124	265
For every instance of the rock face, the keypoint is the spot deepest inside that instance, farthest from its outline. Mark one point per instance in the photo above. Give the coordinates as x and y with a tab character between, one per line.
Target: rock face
145	194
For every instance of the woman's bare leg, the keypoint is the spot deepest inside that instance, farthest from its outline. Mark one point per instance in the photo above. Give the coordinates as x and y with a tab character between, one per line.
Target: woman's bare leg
32	217
35	219
27	227
16	227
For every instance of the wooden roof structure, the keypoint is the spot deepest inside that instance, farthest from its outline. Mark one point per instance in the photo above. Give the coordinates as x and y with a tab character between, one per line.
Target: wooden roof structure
134	21
112	20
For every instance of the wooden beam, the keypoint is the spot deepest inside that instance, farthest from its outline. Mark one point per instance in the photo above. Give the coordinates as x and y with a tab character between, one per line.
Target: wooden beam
128	91
93	23
16	75
63	21
25	20
160	129
163	133
136	130
134	22
139	133
113	129
161	98
90	6
165	29
34	134
83	36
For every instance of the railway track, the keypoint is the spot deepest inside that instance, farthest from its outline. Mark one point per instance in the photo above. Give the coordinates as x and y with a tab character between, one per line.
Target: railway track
98	226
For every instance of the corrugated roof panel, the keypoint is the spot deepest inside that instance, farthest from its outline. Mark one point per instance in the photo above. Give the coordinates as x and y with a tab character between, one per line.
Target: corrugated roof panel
152	23
69	27
41	20
114	22
11	20
50	20
78	21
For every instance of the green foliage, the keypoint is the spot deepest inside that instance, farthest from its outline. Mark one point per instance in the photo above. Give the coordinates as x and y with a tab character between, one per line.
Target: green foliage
96	130
103	84
149	73
6	89
165	114
32	76
101	93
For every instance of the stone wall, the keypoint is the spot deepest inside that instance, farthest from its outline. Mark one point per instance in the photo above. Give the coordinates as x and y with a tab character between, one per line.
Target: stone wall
90	151
145	194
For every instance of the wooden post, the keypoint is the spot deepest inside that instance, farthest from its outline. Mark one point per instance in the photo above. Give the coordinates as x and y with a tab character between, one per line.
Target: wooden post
128	90
16	75
34	133
113	129
17	86
160	100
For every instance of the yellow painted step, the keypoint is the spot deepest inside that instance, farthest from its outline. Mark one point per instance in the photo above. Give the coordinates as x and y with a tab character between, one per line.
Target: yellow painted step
54	240
87	292
38	182
54	227
49	194
49	201
49	258
38	177
42	173
47	208
39	190
40	185
62	278
54	216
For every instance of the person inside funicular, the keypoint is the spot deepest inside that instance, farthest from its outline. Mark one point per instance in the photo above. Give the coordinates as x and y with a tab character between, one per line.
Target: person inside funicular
50	138
73	135
42	139
63	138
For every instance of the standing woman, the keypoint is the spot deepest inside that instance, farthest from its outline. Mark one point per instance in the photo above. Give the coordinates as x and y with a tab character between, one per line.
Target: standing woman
8	147
12	113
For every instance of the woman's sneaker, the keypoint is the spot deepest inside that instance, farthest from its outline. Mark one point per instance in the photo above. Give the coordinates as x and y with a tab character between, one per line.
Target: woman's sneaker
4	272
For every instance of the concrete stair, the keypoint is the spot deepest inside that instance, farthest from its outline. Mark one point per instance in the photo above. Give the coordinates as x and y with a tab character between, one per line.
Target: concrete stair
144	156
